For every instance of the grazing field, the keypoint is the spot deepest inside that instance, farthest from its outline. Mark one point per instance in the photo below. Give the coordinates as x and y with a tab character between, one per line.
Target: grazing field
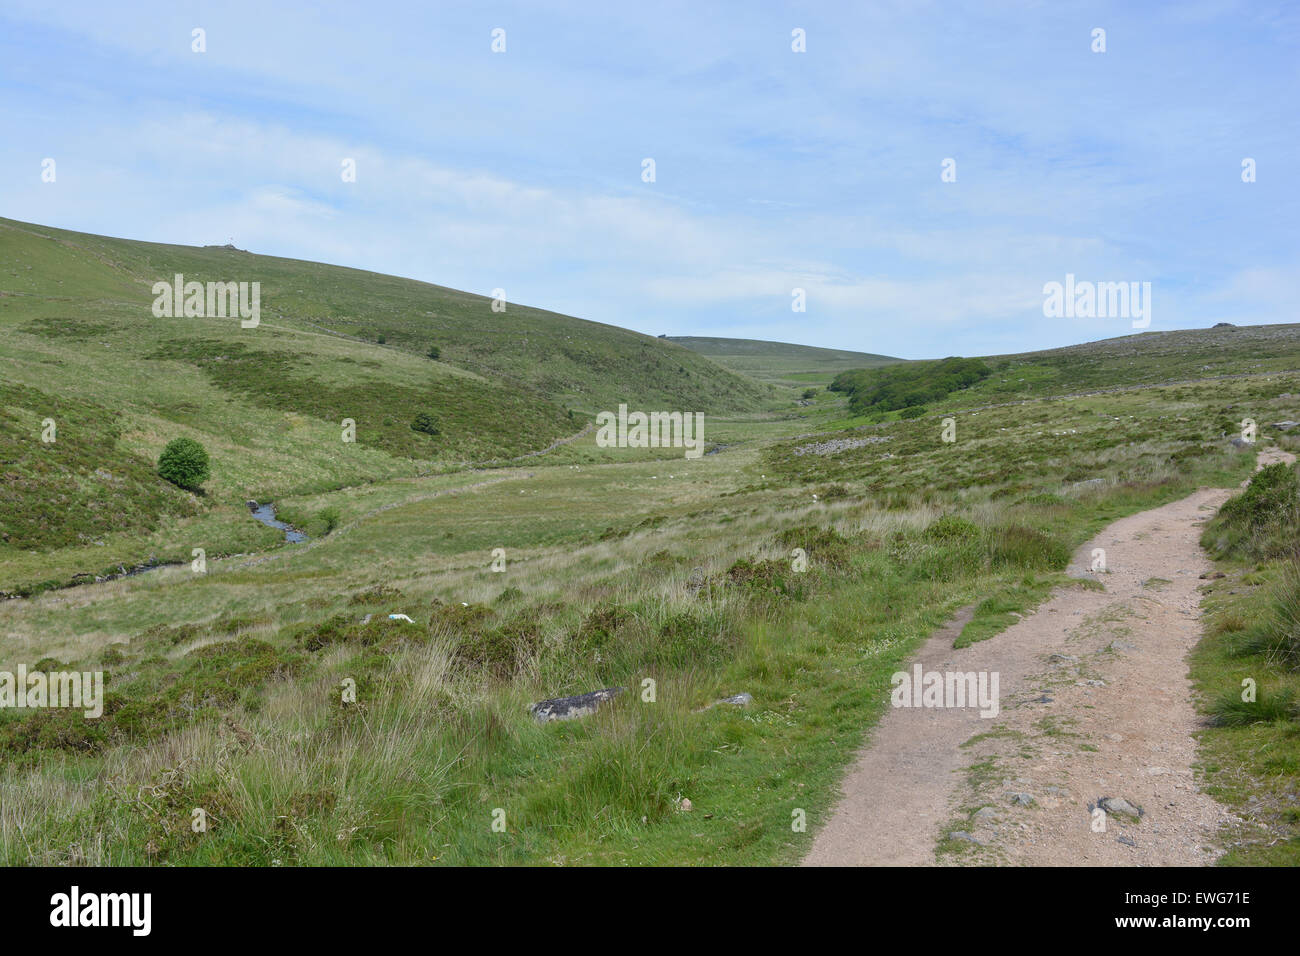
801	561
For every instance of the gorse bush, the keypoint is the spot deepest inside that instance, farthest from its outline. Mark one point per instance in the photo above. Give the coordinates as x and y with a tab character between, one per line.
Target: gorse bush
184	462
1260	523
425	423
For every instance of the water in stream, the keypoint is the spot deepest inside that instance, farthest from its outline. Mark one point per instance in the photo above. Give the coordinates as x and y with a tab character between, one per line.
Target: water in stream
266	514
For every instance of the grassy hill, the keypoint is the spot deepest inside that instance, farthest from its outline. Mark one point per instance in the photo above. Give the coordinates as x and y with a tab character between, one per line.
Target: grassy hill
1127	362
224	687
82	348
780	362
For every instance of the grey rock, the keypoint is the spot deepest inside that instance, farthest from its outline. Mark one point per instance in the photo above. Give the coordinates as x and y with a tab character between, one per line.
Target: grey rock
743	699
964	837
985	814
1120	806
570	708
836	445
1126	840
696	581
1022	799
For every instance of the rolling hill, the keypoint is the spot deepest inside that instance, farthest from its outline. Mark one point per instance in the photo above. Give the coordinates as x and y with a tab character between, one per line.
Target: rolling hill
83	350
780	362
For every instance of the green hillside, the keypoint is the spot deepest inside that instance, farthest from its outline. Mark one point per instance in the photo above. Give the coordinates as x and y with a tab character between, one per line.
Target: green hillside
780	362
1126	362
82	349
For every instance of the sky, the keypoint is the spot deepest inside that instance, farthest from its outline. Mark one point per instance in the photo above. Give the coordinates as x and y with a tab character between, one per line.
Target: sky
774	169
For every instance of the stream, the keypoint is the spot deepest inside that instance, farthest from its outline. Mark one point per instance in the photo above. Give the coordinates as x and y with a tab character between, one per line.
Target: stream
266	514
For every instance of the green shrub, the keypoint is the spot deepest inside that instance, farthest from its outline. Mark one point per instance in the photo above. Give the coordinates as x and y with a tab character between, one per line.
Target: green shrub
907	384
824	546
952	528
1017	546
833	492
435	353
330	517
1260	523
1229	710
184	462
426	423
1282	631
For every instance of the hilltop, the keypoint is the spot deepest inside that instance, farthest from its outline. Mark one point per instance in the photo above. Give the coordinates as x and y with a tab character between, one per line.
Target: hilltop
780	362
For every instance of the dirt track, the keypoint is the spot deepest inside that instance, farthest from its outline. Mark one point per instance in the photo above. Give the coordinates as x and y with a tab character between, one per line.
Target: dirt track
1095	703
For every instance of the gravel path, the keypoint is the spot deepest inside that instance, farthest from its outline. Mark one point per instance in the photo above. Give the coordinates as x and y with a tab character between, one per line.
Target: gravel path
1095	703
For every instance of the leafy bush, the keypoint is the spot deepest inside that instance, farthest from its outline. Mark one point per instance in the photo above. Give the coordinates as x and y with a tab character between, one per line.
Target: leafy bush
184	462
426	423
810	393
435	353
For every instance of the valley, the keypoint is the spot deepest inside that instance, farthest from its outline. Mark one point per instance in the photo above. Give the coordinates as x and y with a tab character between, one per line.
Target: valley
806	555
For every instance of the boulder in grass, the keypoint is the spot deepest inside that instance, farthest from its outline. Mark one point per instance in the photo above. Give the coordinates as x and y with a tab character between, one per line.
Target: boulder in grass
570	708
743	699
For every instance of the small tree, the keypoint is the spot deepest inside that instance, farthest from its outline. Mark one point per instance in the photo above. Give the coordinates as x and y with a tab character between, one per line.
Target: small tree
184	462
434	352
383	339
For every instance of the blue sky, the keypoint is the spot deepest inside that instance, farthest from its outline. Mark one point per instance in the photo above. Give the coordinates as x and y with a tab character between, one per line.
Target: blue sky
775	170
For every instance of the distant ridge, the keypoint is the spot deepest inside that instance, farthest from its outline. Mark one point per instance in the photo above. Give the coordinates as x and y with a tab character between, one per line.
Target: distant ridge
779	361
